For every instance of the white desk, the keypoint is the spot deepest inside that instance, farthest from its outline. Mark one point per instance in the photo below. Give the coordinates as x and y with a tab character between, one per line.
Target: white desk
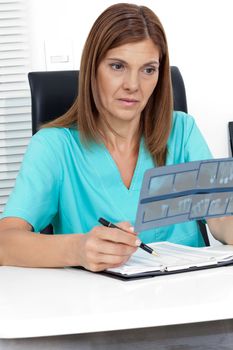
38	303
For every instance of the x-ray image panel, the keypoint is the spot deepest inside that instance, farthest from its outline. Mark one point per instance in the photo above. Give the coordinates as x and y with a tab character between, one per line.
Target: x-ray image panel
207	175
225	174
179	206
161	184
155	211
185	180
199	208
229	210
218	204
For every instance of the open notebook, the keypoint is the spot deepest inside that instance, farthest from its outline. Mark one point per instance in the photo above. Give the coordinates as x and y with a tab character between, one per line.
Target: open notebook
172	258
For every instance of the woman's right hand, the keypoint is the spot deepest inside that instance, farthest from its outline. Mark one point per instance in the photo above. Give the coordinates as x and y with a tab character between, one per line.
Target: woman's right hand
105	247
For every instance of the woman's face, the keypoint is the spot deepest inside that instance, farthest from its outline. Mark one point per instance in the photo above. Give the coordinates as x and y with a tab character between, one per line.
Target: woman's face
126	78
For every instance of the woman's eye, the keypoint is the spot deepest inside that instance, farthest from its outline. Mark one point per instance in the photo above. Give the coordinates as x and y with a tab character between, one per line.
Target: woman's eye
150	70
117	66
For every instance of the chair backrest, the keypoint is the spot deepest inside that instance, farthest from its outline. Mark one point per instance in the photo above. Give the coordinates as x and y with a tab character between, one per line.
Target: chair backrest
230	128
53	92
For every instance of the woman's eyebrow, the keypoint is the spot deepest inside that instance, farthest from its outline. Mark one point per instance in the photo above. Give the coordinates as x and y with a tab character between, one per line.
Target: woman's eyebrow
151	62
116	59
122	61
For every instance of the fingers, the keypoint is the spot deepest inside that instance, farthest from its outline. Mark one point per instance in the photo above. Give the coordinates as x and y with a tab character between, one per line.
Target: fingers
105	247
112	248
111	242
105	262
118	236
126	226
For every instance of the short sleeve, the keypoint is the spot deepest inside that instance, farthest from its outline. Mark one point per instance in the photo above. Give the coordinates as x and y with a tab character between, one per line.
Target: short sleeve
35	196
186	143
195	145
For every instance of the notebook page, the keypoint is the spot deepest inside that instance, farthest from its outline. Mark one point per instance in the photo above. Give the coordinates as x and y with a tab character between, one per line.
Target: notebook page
177	257
171	257
138	263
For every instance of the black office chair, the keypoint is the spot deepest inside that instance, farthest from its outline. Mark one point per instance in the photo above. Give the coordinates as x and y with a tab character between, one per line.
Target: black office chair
230	128
52	93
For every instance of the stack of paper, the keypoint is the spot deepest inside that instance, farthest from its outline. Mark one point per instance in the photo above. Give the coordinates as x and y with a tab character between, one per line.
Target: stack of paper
173	258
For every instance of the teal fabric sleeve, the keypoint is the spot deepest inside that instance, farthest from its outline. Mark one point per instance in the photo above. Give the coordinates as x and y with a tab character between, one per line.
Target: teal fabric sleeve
186	142
35	195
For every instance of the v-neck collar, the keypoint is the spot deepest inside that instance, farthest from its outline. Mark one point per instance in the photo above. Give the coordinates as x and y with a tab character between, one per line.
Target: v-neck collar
116	175
106	178
100	162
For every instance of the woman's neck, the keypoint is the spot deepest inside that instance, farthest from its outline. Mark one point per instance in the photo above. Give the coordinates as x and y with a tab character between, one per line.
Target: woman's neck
124	138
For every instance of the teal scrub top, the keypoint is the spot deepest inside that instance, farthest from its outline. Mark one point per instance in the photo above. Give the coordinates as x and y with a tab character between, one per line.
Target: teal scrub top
70	185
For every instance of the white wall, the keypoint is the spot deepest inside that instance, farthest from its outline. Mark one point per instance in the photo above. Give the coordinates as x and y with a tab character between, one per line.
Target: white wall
199	35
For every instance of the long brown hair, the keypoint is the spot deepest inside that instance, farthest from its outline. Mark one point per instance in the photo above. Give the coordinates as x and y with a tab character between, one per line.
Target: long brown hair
120	24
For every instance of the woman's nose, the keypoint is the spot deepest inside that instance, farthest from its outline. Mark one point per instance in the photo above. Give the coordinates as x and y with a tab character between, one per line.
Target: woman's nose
131	81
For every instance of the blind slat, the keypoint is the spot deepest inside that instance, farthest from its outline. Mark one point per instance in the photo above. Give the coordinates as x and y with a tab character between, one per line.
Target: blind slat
14	78
9	167
13	62
16	31
5	192
11	134
15	119
14	94
14	86
13	38
10	159
16	102
11	111
13	54
15	127
12	70
9	47
12	150
8	175
3	200
7	183
14	142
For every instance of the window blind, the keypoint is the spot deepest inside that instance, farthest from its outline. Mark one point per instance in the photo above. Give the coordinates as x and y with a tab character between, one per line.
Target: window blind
15	103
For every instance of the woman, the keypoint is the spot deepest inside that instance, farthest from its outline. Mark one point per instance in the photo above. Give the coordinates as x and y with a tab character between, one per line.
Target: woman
90	162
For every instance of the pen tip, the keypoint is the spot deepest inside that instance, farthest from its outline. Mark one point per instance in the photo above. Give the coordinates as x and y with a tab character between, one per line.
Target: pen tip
155	254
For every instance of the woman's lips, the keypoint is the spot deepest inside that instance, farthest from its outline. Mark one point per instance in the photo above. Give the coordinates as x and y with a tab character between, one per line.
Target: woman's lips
128	101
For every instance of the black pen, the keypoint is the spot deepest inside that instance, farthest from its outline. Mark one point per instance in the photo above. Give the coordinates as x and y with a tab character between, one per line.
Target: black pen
142	245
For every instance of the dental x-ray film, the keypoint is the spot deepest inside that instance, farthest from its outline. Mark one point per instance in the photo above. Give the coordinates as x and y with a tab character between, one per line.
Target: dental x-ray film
188	191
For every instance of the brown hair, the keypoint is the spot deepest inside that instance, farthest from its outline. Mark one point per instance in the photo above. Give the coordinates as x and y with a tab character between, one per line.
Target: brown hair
120	24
